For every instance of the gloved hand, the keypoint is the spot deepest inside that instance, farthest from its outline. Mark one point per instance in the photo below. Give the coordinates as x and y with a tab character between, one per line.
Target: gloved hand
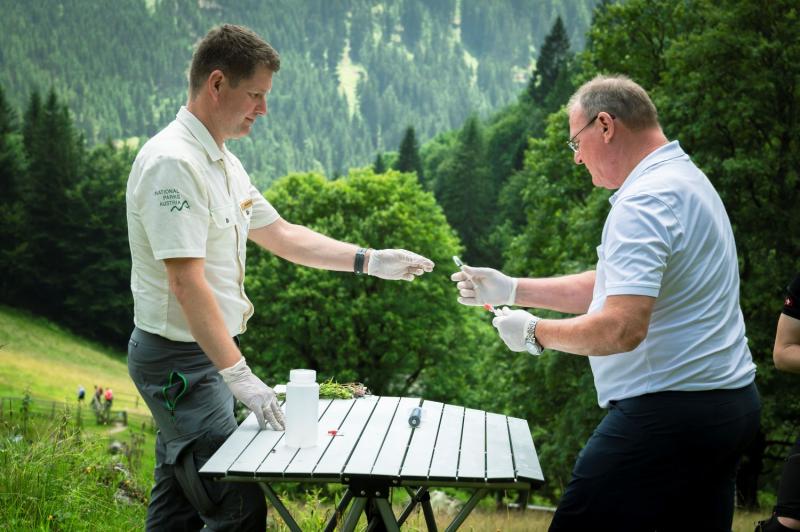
255	395
479	286
396	264
512	326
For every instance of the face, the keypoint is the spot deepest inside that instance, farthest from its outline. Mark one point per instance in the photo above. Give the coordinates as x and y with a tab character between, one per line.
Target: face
591	146
238	107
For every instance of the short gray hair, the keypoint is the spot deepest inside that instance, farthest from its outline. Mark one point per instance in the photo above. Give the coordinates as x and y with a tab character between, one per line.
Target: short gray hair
617	95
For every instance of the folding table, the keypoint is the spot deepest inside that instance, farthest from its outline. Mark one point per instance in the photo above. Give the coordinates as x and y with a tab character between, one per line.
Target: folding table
368	445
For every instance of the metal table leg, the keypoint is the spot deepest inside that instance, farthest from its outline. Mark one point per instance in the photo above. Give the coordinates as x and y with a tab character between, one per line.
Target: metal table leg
339	513
423	498
415	498
427	511
276	502
465	511
353	514
386	513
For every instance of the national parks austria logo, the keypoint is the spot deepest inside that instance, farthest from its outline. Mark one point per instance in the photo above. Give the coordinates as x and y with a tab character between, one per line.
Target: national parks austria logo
170	198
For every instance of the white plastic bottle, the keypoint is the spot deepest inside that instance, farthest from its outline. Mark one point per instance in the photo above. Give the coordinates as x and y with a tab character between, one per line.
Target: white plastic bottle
302	398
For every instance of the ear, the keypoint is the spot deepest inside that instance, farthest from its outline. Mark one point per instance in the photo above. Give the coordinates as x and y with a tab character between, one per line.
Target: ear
607	122
214	84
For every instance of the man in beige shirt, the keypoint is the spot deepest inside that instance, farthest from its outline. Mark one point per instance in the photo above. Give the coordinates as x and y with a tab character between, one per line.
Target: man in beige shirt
191	209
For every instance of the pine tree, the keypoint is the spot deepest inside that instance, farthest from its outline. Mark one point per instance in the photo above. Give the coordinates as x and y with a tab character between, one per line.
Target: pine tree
408	159
12	227
412	22
32	116
99	303
55	153
466	194
379	166
552	67
11	156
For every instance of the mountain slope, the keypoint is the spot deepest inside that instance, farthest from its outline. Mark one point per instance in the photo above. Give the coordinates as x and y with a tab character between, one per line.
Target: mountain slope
51	363
354	74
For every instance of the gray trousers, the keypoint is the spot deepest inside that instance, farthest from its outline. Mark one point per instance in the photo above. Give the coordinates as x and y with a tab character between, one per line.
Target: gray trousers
193	410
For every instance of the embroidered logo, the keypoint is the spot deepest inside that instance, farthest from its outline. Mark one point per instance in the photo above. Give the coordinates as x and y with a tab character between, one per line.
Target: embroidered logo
246	204
170	198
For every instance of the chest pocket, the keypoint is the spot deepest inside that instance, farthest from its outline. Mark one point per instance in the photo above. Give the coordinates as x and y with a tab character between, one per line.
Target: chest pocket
224	216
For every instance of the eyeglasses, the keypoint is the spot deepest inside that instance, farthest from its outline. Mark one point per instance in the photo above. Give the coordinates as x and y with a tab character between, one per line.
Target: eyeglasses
575	146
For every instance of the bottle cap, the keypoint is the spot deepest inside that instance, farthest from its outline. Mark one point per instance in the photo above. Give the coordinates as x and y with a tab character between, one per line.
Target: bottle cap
303	376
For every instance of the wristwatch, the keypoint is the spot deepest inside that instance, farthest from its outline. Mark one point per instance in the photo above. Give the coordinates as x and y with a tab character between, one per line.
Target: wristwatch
533	347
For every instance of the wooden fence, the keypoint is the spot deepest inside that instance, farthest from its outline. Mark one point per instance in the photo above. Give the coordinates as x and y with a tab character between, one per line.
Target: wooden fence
15	409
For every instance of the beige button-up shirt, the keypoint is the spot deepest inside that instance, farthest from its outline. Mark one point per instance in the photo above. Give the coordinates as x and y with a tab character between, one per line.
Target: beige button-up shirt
187	198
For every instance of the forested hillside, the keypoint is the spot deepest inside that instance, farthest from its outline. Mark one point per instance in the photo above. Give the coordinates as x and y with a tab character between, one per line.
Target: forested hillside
354	73
499	187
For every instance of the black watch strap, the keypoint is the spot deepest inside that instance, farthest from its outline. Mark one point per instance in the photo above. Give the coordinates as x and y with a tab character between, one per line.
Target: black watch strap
358	265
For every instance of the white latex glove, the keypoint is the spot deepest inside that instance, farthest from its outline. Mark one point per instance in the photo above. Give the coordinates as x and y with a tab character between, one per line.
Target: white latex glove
396	264
512	326
255	395
480	286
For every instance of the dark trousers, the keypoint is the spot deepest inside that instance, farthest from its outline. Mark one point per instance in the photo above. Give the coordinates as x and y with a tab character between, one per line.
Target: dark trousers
662	461
789	490
193	410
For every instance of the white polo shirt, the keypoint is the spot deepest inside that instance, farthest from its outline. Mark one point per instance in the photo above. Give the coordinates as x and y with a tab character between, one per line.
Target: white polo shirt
187	198
668	236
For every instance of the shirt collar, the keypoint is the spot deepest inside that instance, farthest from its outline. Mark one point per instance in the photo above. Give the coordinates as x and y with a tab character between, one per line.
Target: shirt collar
199	132
671	150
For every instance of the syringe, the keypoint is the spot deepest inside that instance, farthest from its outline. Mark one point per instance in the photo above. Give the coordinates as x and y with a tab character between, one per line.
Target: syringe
487	306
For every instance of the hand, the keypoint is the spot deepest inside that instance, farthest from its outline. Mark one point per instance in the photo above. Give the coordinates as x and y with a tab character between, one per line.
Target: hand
512	326
479	286
396	264
255	395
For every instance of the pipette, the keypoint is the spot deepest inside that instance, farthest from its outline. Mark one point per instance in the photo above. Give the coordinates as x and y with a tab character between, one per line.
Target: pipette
490	308
487	306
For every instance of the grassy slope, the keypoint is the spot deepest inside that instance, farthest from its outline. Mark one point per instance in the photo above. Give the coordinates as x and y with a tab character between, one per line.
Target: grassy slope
44	484
52	363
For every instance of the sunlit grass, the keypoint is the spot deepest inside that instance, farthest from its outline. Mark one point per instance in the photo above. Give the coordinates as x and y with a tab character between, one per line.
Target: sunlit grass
56	477
39	356
311	515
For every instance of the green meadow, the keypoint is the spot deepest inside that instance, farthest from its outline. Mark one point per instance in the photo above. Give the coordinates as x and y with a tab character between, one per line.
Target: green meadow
58	474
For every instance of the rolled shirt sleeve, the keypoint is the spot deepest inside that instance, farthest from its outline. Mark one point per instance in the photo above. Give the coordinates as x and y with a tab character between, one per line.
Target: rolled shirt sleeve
263	211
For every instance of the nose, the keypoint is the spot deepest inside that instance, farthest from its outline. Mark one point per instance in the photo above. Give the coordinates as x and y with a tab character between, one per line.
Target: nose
576	156
261	108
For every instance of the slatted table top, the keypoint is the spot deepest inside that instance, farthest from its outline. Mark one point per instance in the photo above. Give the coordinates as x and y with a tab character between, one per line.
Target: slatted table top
452	446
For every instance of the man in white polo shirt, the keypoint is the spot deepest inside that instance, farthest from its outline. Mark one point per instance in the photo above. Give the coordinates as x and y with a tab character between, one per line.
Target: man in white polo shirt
191	209
660	321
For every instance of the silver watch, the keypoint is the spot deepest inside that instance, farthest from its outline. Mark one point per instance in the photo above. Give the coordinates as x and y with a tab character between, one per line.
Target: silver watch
533	347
